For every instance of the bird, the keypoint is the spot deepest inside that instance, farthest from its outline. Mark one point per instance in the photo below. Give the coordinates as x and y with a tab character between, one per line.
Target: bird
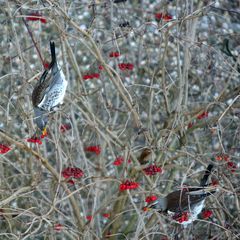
49	92
145	156
186	203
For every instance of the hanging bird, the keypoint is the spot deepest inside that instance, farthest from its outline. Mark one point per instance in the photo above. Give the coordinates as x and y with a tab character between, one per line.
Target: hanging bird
188	201
49	91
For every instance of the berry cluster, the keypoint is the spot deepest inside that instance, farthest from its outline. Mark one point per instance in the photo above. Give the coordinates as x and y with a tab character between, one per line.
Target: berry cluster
91	76
162	16
118	161
202	115
152	170
34	139
125	66
150	199
4	149
65	127
36	17
230	165
206	214
181	217
95	149
114	54
72	172
128	185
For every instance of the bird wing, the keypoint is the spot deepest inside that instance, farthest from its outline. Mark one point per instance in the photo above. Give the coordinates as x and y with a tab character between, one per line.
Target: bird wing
40	89
45	80
179	201
56	77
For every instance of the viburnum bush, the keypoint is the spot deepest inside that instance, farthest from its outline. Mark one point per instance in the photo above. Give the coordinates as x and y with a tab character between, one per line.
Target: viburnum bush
153	97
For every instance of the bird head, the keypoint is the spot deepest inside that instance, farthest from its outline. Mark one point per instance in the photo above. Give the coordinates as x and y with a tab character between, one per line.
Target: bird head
41	118
160	205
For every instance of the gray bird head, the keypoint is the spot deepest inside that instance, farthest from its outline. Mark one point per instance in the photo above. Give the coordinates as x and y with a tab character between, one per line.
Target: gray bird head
41	118
160	204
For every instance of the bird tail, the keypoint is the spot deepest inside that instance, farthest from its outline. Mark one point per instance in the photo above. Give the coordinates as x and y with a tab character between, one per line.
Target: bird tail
53	54
204	189
208	172
203	192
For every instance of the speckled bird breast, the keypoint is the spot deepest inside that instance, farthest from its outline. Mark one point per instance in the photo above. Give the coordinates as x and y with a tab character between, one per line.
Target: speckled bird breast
55	93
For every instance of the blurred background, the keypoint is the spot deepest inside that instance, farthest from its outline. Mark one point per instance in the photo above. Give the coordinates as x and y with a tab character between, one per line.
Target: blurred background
152	99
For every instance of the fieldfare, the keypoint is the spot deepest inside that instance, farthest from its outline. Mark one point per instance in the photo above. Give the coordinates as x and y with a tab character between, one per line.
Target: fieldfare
49	91
185	205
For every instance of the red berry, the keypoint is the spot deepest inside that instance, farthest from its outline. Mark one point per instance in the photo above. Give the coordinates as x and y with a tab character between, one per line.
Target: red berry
96	149
150	199
58	227
4	149
118	161
89	217
207	214
106	215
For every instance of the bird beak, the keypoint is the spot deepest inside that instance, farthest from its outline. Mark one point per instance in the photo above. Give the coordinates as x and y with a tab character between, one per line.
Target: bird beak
150	206
146	209
41	133
44	132
153	205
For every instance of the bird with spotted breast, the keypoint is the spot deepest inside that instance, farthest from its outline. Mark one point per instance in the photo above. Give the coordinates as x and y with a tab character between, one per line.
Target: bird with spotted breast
185	205
49	92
